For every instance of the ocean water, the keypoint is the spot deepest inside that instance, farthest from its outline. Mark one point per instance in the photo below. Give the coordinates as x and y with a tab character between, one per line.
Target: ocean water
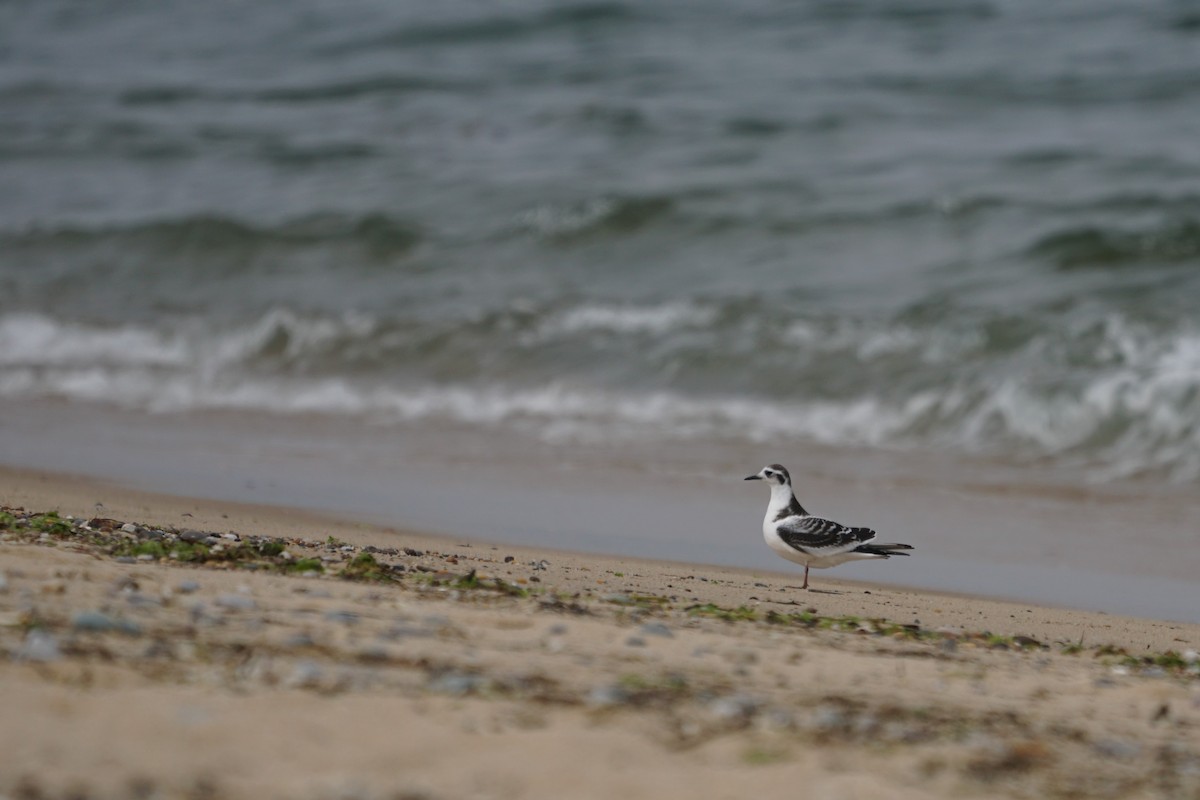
911	233
923	225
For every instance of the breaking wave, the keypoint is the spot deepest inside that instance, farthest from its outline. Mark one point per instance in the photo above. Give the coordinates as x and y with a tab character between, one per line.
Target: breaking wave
1108	395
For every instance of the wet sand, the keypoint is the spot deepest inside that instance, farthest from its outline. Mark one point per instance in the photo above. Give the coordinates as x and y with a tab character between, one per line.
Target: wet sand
981	528
462	668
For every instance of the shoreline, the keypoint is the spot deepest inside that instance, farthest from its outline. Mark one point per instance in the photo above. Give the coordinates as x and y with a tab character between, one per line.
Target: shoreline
72	495
977	531
242	676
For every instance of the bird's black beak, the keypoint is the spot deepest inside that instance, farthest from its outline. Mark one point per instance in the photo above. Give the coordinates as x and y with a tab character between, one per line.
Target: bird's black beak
753	478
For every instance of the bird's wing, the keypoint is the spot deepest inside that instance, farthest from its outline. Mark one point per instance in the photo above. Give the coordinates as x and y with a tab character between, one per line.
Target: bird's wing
821	537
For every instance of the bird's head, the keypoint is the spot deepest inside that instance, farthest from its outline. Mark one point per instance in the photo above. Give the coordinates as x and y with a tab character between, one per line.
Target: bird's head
775	474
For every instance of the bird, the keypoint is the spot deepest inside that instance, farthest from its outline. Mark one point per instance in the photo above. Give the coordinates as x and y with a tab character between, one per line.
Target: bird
813	541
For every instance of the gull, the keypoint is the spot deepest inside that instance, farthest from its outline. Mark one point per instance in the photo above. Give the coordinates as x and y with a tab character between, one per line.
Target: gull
812	541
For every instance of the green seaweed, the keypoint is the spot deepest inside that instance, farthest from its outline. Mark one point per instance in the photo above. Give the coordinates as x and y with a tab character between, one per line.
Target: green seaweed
305	565
50	523
269	548
364	567
738	614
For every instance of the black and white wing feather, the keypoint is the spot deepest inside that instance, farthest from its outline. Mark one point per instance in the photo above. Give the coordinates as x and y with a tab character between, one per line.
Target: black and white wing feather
821	537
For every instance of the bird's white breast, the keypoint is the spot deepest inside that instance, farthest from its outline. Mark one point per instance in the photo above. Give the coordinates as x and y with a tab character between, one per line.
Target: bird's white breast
777	544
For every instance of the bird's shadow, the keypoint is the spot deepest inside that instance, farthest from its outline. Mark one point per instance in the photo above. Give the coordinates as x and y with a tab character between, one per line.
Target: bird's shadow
813	591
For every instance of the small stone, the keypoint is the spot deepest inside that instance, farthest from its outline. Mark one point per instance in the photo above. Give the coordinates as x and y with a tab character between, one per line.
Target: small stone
97	622
557	629
603	696
231	536
635	641
192	537
188	587
829	718
541	565
455	683
344	617
125	560
657	629
306	674
733	707
300	639
1117	748
235	602
509	559
129	527
410	551
39	646
144	557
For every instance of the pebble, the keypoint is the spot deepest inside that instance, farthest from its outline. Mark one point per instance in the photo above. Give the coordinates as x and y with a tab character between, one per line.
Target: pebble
558	629
39	646
829	718
98	622
305	674
657	629
344	617
236	602
125	560
410	551
192	536
300	639
733	707
540	565
455	683
1117	748
402	631
635	641
602	696
188	587
129	527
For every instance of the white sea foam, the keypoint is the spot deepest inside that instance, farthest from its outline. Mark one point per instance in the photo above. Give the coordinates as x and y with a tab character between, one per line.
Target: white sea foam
653	319
559	220
1138	410
36	340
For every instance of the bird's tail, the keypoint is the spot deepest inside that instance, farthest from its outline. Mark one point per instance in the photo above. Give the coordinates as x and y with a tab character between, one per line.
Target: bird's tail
884	550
